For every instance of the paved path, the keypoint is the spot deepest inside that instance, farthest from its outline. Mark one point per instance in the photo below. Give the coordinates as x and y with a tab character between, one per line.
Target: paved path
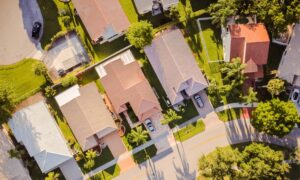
180	161
235	105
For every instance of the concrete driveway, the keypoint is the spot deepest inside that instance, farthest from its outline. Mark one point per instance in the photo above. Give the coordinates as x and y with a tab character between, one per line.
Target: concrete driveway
16	19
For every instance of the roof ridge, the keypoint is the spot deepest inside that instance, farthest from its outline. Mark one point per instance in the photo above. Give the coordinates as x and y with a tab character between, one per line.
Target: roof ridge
171	55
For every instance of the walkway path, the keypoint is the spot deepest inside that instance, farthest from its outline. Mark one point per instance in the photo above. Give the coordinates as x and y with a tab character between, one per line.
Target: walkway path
235	105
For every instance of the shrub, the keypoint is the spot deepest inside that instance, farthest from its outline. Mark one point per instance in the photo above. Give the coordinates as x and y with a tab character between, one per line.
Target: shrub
69	80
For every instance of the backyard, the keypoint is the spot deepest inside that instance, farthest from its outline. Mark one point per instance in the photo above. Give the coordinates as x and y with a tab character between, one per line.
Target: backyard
21	78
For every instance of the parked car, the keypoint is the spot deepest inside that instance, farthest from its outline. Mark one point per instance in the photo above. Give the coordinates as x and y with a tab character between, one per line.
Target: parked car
61	72
295	95
36	30
199	100
149	125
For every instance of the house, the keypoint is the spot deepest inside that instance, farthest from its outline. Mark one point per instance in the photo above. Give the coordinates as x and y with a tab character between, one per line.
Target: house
250	42
10	168
104	20
175	66
89	119
35	128
289	67
154	6
126	86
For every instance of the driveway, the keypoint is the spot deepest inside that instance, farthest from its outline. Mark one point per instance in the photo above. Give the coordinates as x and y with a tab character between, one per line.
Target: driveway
159	130
16	19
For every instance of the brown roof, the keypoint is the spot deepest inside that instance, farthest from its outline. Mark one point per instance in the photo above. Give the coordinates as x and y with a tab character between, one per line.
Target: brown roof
99	15
251	43
127	84
87	115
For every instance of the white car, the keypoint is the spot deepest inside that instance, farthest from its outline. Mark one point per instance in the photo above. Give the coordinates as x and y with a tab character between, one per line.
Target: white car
199	100
149	125
295	95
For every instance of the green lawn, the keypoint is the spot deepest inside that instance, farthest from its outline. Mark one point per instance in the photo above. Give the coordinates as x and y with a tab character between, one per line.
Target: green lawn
89	77
107	174
21	78
230	114
129	9
104	157
189	131
143	155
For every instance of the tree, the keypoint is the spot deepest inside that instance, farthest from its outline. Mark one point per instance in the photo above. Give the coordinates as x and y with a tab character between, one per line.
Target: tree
90	155
173	13
262	162
296	156
138	136
219	163
275	86
52	176
7	103
250	97
69	80
222	10
170	116
233	72
49	91
40	69
275	117
140	34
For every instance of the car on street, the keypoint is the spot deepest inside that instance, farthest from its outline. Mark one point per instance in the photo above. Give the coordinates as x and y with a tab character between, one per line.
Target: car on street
149	125
199	100
36	28
295	95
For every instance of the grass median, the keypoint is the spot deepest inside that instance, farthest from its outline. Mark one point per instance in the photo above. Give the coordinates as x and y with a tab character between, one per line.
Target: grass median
189	131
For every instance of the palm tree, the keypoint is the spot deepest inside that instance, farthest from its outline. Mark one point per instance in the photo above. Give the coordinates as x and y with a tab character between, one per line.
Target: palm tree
250	97
234	72
170	116
138	136
222	10
52	176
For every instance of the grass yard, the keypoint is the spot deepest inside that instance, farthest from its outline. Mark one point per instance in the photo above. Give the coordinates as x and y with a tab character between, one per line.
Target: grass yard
100	160
107	174
143	155
189	131
21	78
89	77
129	9
230	114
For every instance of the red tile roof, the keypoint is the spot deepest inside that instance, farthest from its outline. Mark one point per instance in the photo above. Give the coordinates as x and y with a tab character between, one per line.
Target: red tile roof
97	15
127	84
251	43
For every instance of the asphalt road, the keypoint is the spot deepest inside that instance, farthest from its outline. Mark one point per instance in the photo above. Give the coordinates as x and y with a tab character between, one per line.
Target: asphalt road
16	19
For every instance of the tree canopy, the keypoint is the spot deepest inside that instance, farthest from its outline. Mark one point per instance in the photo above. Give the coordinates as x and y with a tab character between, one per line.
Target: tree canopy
69	80
275	117
52	176
255	161
219	163
262	162
138	136
275	86
170	116
7	104
250	97
140	34
222	10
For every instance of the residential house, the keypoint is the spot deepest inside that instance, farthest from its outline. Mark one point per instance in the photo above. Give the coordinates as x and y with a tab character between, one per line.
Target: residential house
35	128
289	67
154	6
90	120
104	20
175	66
126	86
250	42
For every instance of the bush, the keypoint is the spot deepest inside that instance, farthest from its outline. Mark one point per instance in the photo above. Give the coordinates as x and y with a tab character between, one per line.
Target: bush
69	80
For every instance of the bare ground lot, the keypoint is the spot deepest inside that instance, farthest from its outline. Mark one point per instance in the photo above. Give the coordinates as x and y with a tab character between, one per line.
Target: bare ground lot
16	19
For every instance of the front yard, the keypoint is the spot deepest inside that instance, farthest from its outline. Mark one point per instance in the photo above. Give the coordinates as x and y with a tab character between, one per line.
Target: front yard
189	131
230	114
21	78
107	174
